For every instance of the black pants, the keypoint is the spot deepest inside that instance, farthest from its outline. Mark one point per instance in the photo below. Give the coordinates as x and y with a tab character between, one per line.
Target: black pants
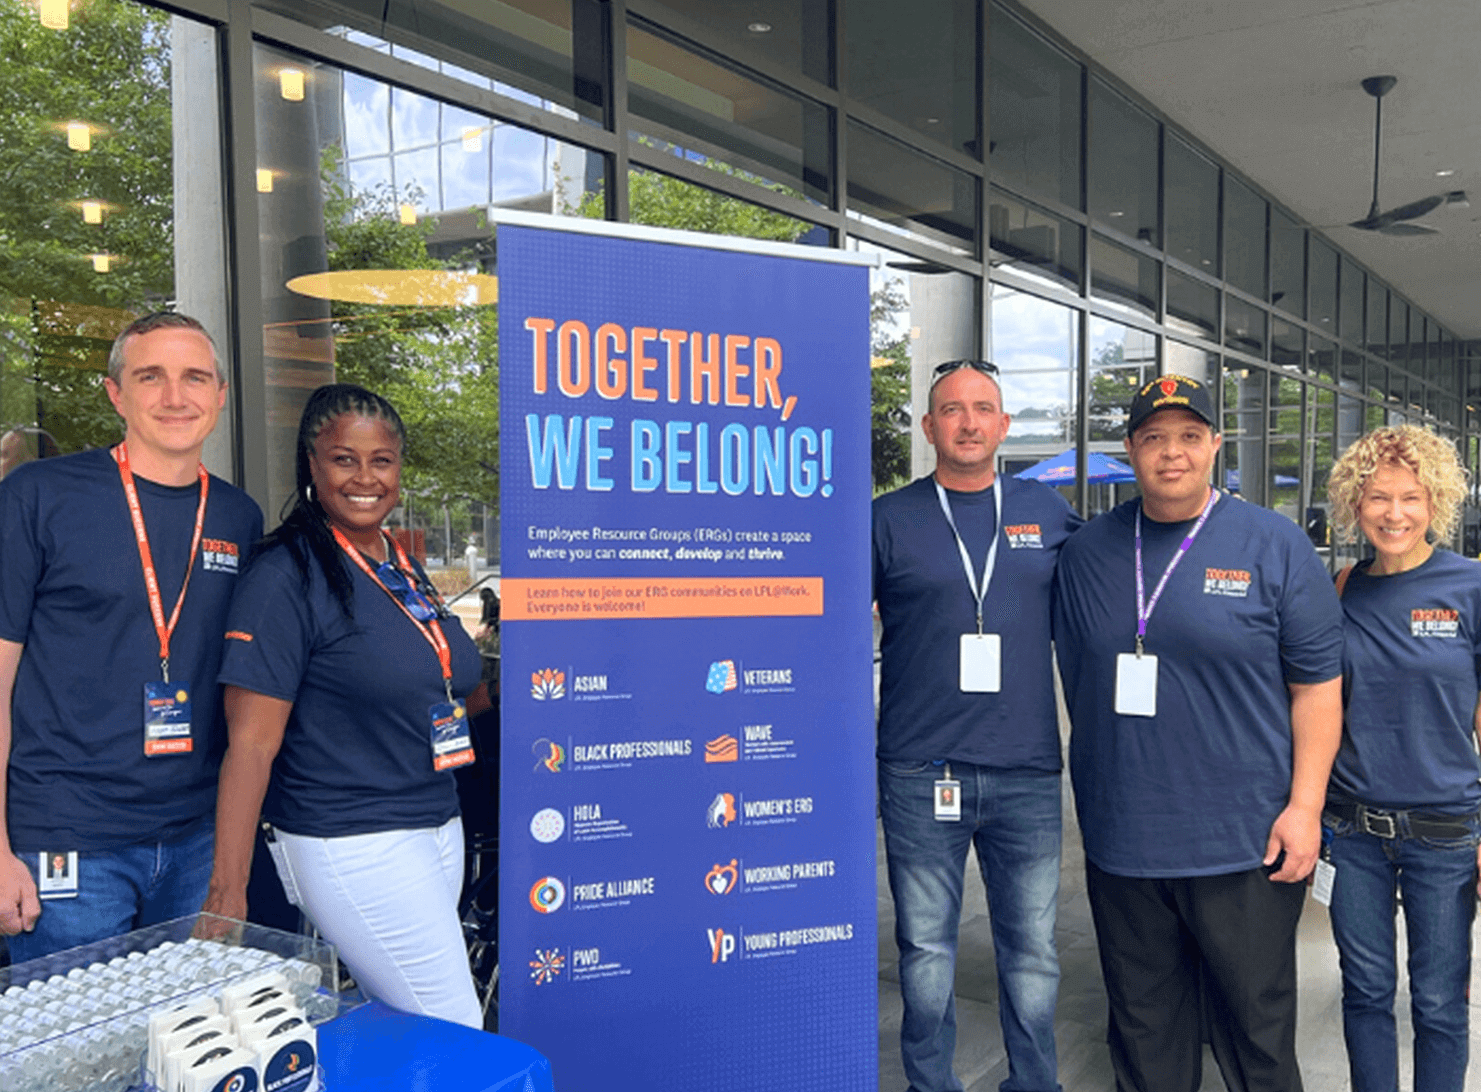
1182	957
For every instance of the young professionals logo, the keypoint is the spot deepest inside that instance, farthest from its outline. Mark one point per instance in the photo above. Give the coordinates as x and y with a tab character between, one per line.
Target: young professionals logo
1232	583
1435	622
548	684
724	748
722	945
219	556
722	677
549	755
547	965
721	812
1024	536
547	825
547	895
721	879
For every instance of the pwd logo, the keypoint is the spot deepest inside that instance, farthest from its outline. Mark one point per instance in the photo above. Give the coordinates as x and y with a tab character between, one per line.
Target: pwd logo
549	755
721	879
547	965
722	945
548	684
722	677
548	895
721	812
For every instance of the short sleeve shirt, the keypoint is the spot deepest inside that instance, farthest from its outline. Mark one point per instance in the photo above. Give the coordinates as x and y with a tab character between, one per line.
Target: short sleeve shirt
1250	609
926	604
357	752
72	591
1410	682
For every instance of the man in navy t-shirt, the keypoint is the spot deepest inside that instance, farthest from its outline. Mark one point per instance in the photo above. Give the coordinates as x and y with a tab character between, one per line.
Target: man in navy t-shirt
1200	643
116	571
968	736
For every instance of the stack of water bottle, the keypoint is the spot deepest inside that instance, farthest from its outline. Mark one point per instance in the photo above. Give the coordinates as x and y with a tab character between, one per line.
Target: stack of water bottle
198	1014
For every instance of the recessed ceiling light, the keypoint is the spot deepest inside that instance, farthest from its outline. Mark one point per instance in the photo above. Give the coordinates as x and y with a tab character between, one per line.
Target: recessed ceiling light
1446	173
1118	212
933	121
759	28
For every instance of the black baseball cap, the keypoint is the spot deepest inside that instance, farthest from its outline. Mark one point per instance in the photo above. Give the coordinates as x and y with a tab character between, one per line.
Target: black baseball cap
1170	392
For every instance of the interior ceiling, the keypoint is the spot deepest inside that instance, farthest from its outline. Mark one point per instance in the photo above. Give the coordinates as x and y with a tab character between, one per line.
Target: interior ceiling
1272	86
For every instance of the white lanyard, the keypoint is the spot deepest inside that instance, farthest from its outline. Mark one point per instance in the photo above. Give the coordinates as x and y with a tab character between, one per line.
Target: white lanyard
978	593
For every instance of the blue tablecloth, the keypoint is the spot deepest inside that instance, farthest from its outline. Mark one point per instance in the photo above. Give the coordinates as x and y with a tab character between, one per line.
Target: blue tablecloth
377	1048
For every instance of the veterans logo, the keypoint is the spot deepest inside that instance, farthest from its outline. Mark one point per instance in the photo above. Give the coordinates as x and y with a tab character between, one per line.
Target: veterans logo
722	677
547	825
721	812
548	684
547	965
1024	536
1435	622
724	748
219	556
549	755
1234	583
547	895
722	945
721	879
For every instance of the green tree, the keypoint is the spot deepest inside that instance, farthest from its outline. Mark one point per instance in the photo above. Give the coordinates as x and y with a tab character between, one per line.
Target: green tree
889	388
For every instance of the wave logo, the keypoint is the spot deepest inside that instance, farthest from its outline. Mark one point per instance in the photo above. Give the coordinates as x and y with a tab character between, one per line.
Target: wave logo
548	895
724	748
547	966
721	879
722	945
722	677
721	812
549	755
548	684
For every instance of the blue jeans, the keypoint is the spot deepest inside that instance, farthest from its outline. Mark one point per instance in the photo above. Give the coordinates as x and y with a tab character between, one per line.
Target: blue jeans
1013	818
120	890
1437	879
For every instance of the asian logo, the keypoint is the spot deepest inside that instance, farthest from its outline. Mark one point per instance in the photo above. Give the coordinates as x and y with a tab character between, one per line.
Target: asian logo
547	825
722	677
724	748
549	755
721	812
721	879
547	965
547	895
548	684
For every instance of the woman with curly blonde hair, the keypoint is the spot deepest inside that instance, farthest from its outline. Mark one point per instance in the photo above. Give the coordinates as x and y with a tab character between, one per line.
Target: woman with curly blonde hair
1401	815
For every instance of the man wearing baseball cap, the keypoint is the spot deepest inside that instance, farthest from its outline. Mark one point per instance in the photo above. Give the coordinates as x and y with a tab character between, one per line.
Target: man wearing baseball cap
1200	641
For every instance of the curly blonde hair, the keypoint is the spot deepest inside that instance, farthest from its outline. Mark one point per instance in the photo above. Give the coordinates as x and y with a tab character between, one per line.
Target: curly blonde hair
1433	460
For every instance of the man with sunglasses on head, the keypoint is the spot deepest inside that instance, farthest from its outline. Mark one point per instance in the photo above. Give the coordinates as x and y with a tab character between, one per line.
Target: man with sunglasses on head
116	569
968	733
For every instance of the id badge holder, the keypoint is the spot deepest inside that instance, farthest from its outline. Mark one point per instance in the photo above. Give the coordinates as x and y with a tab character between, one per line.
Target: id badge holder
166	719
452	740
947	799
981	663
1325	875
281	865
1136	685
56	874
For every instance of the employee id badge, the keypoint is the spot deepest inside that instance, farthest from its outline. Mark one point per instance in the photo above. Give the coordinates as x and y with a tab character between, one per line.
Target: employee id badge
1322	880
1136	685
166	719
981	663
56	874
948	800
452	740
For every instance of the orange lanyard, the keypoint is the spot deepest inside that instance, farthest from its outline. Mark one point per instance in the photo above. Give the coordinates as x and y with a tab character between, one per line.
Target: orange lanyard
431	633
141	536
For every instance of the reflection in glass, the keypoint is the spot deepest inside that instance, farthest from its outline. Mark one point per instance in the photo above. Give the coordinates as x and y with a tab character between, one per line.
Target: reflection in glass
1287	264
664	201
1319	459
1244	325
1192	207
1352	303
1035	95
1398	334
1285	446
1322	358
1122	276
901	190
791	34
1034	343
1244	238
1122	360
1192	305
1323	287
1377	319
1034	243
1244	431
1287	345
1352	371
1123	165
1190	360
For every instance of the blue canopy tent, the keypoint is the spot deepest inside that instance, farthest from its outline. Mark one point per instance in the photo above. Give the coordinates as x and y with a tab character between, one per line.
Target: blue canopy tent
1059	469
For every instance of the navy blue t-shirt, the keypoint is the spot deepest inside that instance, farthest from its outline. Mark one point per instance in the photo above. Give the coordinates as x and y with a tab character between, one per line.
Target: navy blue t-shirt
72	591
1410	682
1194	790
926	604
357	754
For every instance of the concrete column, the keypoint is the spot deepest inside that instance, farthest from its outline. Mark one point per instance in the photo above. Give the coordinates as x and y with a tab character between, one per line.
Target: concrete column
942	310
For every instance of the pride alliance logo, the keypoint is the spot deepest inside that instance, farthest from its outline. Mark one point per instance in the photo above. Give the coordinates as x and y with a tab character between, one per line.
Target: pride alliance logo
548	684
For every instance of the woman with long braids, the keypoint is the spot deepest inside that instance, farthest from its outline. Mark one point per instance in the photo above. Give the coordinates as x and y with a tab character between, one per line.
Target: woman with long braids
348	693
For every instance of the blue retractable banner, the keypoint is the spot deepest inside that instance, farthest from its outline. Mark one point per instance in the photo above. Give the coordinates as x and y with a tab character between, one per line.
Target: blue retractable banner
687	847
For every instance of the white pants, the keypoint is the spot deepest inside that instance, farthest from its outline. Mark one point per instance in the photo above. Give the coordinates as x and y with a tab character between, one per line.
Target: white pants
389	903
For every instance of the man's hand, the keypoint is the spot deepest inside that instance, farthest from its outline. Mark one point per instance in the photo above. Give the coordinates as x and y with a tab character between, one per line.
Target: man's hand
1297	832
19	907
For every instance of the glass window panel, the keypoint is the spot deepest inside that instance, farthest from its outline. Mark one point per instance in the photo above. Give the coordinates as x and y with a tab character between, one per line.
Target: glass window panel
1192	305
1398	387
416	179
1377	387
1034	243
1244	431
1285	446
661	200
1192	207
1322	358
1190	360
1287	344
1377	319
1035	97
731	120
414	120
905	191
1315	520
1244	238
1244	325
368	175
919	67
1034	343
1432	352
1323	287
1123	165
1287	264
1352	370
1122	276
366	109
465	177
1352	303
791	34
1398	333
1374	417
1122	359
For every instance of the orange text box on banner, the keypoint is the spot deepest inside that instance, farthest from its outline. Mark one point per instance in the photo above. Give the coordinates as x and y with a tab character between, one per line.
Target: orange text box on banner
659	597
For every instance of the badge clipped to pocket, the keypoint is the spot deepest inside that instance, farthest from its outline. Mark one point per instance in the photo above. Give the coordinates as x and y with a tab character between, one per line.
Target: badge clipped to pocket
981	663
452	740
948	800
1136	685
56	874
1322	880
166	719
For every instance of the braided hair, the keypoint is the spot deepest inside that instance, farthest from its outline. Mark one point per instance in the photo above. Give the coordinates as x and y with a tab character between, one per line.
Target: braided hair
305	528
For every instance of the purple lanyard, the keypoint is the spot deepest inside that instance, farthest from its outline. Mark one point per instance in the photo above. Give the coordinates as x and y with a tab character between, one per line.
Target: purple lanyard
1144	609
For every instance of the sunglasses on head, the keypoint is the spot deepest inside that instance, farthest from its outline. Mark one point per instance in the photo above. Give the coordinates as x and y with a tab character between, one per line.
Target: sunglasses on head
941	371
418	605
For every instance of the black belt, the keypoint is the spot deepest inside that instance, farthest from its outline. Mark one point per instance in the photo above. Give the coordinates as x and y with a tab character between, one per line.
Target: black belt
1385	824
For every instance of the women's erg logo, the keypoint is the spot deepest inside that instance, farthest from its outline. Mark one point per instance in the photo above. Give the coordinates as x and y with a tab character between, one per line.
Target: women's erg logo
1234	583
1434	622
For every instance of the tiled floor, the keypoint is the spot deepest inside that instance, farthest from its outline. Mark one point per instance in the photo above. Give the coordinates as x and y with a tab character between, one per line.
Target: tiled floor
1084	1064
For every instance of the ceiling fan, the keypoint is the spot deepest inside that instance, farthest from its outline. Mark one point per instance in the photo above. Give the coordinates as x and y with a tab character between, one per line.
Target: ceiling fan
1396	221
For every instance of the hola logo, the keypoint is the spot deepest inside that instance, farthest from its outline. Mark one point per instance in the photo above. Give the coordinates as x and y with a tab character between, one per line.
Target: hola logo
547	825
549	755
721	812
720	880
722	945
722	677
547	895
724	748
548	684
547	965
